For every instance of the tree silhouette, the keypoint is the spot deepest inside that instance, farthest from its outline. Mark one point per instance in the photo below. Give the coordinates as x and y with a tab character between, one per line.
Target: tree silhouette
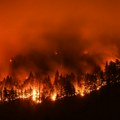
68	86
111	72
12	94
5	94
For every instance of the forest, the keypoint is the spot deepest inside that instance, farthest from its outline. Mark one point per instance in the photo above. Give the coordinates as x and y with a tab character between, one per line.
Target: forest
36	89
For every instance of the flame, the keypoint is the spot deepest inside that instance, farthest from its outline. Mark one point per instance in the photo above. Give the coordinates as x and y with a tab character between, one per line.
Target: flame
82	90
39	94
34	93
39	91
53	96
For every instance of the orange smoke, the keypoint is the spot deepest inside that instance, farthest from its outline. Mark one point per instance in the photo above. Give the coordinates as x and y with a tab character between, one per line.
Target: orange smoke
71	34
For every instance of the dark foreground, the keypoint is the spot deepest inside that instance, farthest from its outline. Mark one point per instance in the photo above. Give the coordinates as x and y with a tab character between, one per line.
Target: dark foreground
103	104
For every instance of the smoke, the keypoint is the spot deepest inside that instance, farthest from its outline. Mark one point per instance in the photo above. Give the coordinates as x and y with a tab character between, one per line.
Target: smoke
46	36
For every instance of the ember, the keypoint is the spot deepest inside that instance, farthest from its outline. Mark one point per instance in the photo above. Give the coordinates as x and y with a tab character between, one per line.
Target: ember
53	97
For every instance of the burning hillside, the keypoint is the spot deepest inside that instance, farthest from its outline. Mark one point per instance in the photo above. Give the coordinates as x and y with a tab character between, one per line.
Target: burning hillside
52	87
49	50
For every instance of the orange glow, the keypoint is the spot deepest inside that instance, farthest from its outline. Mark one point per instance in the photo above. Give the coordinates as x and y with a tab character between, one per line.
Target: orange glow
34	94
53	96
38	37
40	92
44	27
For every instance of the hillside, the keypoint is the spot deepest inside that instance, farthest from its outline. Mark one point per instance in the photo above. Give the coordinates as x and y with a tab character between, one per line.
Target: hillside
103	104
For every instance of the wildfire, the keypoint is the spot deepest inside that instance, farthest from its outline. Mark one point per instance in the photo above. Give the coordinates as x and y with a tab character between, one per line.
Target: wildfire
38	96
98	88
53	96
34	93
82	94
38	91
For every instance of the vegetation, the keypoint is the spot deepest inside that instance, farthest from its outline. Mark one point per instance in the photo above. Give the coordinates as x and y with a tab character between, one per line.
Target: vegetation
68	85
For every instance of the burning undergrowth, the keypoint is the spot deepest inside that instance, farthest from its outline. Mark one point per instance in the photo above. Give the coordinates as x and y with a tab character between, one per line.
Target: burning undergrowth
63	67
40	85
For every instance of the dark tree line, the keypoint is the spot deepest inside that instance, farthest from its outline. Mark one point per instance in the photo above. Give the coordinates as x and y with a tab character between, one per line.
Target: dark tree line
63	84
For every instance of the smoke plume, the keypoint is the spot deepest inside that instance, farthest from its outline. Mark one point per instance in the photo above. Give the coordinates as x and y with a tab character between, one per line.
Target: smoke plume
68	35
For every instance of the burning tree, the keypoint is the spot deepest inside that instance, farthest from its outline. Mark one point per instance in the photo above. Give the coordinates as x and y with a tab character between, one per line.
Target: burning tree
39	88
